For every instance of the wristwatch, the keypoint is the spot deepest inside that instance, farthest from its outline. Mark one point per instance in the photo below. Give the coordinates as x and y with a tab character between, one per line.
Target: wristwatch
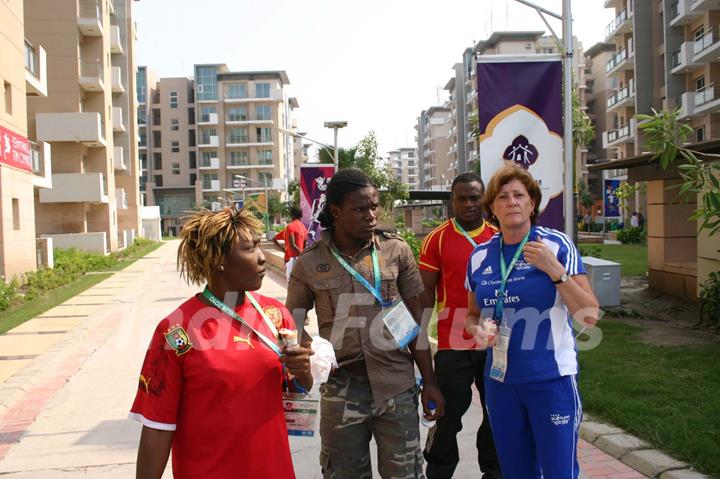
565	276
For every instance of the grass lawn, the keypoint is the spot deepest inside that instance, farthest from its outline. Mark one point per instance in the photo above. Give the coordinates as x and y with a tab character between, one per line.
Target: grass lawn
667	395
632	257
16	316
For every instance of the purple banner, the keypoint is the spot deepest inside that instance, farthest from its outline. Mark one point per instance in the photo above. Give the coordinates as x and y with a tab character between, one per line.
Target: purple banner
313	182
520	118
610	199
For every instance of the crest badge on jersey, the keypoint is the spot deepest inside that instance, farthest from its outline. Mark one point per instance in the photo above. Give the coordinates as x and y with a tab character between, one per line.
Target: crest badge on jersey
275	316
178	339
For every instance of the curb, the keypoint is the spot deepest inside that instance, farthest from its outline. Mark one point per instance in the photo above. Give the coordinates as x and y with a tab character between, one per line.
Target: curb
635	453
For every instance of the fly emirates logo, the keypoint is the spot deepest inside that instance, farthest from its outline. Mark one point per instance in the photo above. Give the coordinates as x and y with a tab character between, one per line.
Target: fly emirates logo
507	299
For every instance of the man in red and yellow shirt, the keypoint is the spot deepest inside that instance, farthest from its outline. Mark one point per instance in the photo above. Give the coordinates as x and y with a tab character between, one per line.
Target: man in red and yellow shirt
295	237
459	361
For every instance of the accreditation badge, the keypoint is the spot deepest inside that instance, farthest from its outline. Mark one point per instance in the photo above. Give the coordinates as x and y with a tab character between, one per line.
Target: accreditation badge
400	323
500	354
301	411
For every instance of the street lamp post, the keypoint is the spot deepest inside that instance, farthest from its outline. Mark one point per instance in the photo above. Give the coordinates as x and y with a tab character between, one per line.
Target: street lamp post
336	125
320	144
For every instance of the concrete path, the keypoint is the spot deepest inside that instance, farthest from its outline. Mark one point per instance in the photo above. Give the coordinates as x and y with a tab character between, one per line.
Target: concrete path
64	405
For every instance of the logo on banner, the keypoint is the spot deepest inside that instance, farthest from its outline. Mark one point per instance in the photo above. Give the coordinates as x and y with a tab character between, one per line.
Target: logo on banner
521	136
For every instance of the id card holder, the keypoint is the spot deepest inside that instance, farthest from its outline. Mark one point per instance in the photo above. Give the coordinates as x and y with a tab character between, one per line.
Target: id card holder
400	323
500	351
301	411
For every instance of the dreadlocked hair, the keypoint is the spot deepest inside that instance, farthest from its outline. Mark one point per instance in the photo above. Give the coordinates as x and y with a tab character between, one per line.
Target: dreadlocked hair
342	183
206	237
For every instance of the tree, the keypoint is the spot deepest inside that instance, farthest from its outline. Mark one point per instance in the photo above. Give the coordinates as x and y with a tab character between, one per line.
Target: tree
346	157
666	136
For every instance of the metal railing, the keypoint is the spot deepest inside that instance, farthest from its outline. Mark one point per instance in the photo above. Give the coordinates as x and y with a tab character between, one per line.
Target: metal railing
704	42
615	23
616	59
621	94
618	133
705	94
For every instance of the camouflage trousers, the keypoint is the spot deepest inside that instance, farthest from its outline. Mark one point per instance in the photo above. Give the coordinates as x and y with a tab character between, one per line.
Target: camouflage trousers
348	419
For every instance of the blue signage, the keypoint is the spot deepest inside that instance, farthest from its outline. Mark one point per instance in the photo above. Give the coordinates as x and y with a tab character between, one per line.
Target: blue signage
610	199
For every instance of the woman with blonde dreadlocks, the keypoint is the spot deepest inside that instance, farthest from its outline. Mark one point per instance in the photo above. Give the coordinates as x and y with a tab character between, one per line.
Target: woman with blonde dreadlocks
212	381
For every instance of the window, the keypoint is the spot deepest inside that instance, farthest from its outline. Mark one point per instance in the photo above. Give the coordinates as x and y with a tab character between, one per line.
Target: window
16	213
528	46
237	114
191	137
206	134
158	180
174	124
700	134
142	139
207	179
205	113
141	78
156	117
175	168
143	161
237	135
238	181
264	135
264	157
238	158
262	90
265	179
142	116
206	83
143	181
173	99
157	161
192	157
698	34
157	139
700	83
191	116
236	91
262	113
175	146
7	94
193	179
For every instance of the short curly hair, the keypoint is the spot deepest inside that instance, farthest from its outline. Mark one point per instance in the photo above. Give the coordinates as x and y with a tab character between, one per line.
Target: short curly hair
206	237
502	177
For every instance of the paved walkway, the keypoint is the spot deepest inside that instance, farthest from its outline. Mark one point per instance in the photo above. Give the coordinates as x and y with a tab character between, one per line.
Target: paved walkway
69	376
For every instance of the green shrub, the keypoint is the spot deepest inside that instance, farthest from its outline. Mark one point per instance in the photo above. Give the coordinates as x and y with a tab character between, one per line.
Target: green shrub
631	235
9	293
593	251
710	297
412	241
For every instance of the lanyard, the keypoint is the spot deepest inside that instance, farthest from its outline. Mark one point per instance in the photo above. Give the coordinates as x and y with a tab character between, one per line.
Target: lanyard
464	233
215	301
505	271
375	291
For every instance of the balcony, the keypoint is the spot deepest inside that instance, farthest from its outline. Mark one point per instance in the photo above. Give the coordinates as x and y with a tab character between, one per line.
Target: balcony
115	40
623	97
212	141
35	70
706	100
683	59
211	185
121	198
706	48
92	76
273	96
622	60
209	119
681	12
41	164
212	163
117	119
90	18
621	24
620	135
75	188
117	85
86	128
703	5
119	159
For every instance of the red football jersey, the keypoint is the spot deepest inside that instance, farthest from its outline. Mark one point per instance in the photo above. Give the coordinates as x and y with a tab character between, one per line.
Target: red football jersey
299	233
219	387
446	251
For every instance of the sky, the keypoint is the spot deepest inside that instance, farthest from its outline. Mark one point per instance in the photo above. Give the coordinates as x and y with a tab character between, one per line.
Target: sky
373	63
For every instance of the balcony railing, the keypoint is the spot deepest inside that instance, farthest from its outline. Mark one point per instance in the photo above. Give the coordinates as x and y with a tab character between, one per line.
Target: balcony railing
705	94
618	58
615	23
704	42
621	94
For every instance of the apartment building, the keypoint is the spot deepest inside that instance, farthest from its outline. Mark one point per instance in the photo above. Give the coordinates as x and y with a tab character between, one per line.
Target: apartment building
404	164
24	163
89	120
433	148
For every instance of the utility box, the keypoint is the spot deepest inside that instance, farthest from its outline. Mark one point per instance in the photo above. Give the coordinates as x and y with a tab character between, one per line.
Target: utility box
604	278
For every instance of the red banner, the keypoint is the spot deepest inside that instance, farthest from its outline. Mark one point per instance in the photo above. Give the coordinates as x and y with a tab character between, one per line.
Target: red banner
14	150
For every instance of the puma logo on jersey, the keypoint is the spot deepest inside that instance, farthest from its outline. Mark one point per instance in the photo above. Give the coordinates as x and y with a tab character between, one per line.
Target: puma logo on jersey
488	270
238	339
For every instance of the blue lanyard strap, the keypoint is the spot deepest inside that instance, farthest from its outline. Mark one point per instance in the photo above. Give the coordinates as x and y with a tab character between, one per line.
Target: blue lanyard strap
215	301
464	233
505	271
375	291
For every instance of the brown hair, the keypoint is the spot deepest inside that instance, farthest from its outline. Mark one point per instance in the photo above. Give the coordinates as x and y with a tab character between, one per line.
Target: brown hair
206	237
502	177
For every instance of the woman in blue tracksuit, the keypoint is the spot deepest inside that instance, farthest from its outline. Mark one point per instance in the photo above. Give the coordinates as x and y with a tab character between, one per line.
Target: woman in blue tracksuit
524	283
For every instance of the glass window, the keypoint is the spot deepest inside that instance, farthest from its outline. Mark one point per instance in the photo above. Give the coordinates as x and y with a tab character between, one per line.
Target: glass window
238	158
236	91
173	99
264	157
264	135
237	114
174	124
265	179
142	116
157	161
193	179
205	113
158	180
141	79
206	134
207	178
237	135
142	139
206	81
192	158
262	90
156	119
175	146
175	168
262	113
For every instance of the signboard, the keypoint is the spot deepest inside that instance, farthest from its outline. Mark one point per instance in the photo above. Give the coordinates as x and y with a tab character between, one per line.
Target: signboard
313	183
520	120
611	204
15	150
